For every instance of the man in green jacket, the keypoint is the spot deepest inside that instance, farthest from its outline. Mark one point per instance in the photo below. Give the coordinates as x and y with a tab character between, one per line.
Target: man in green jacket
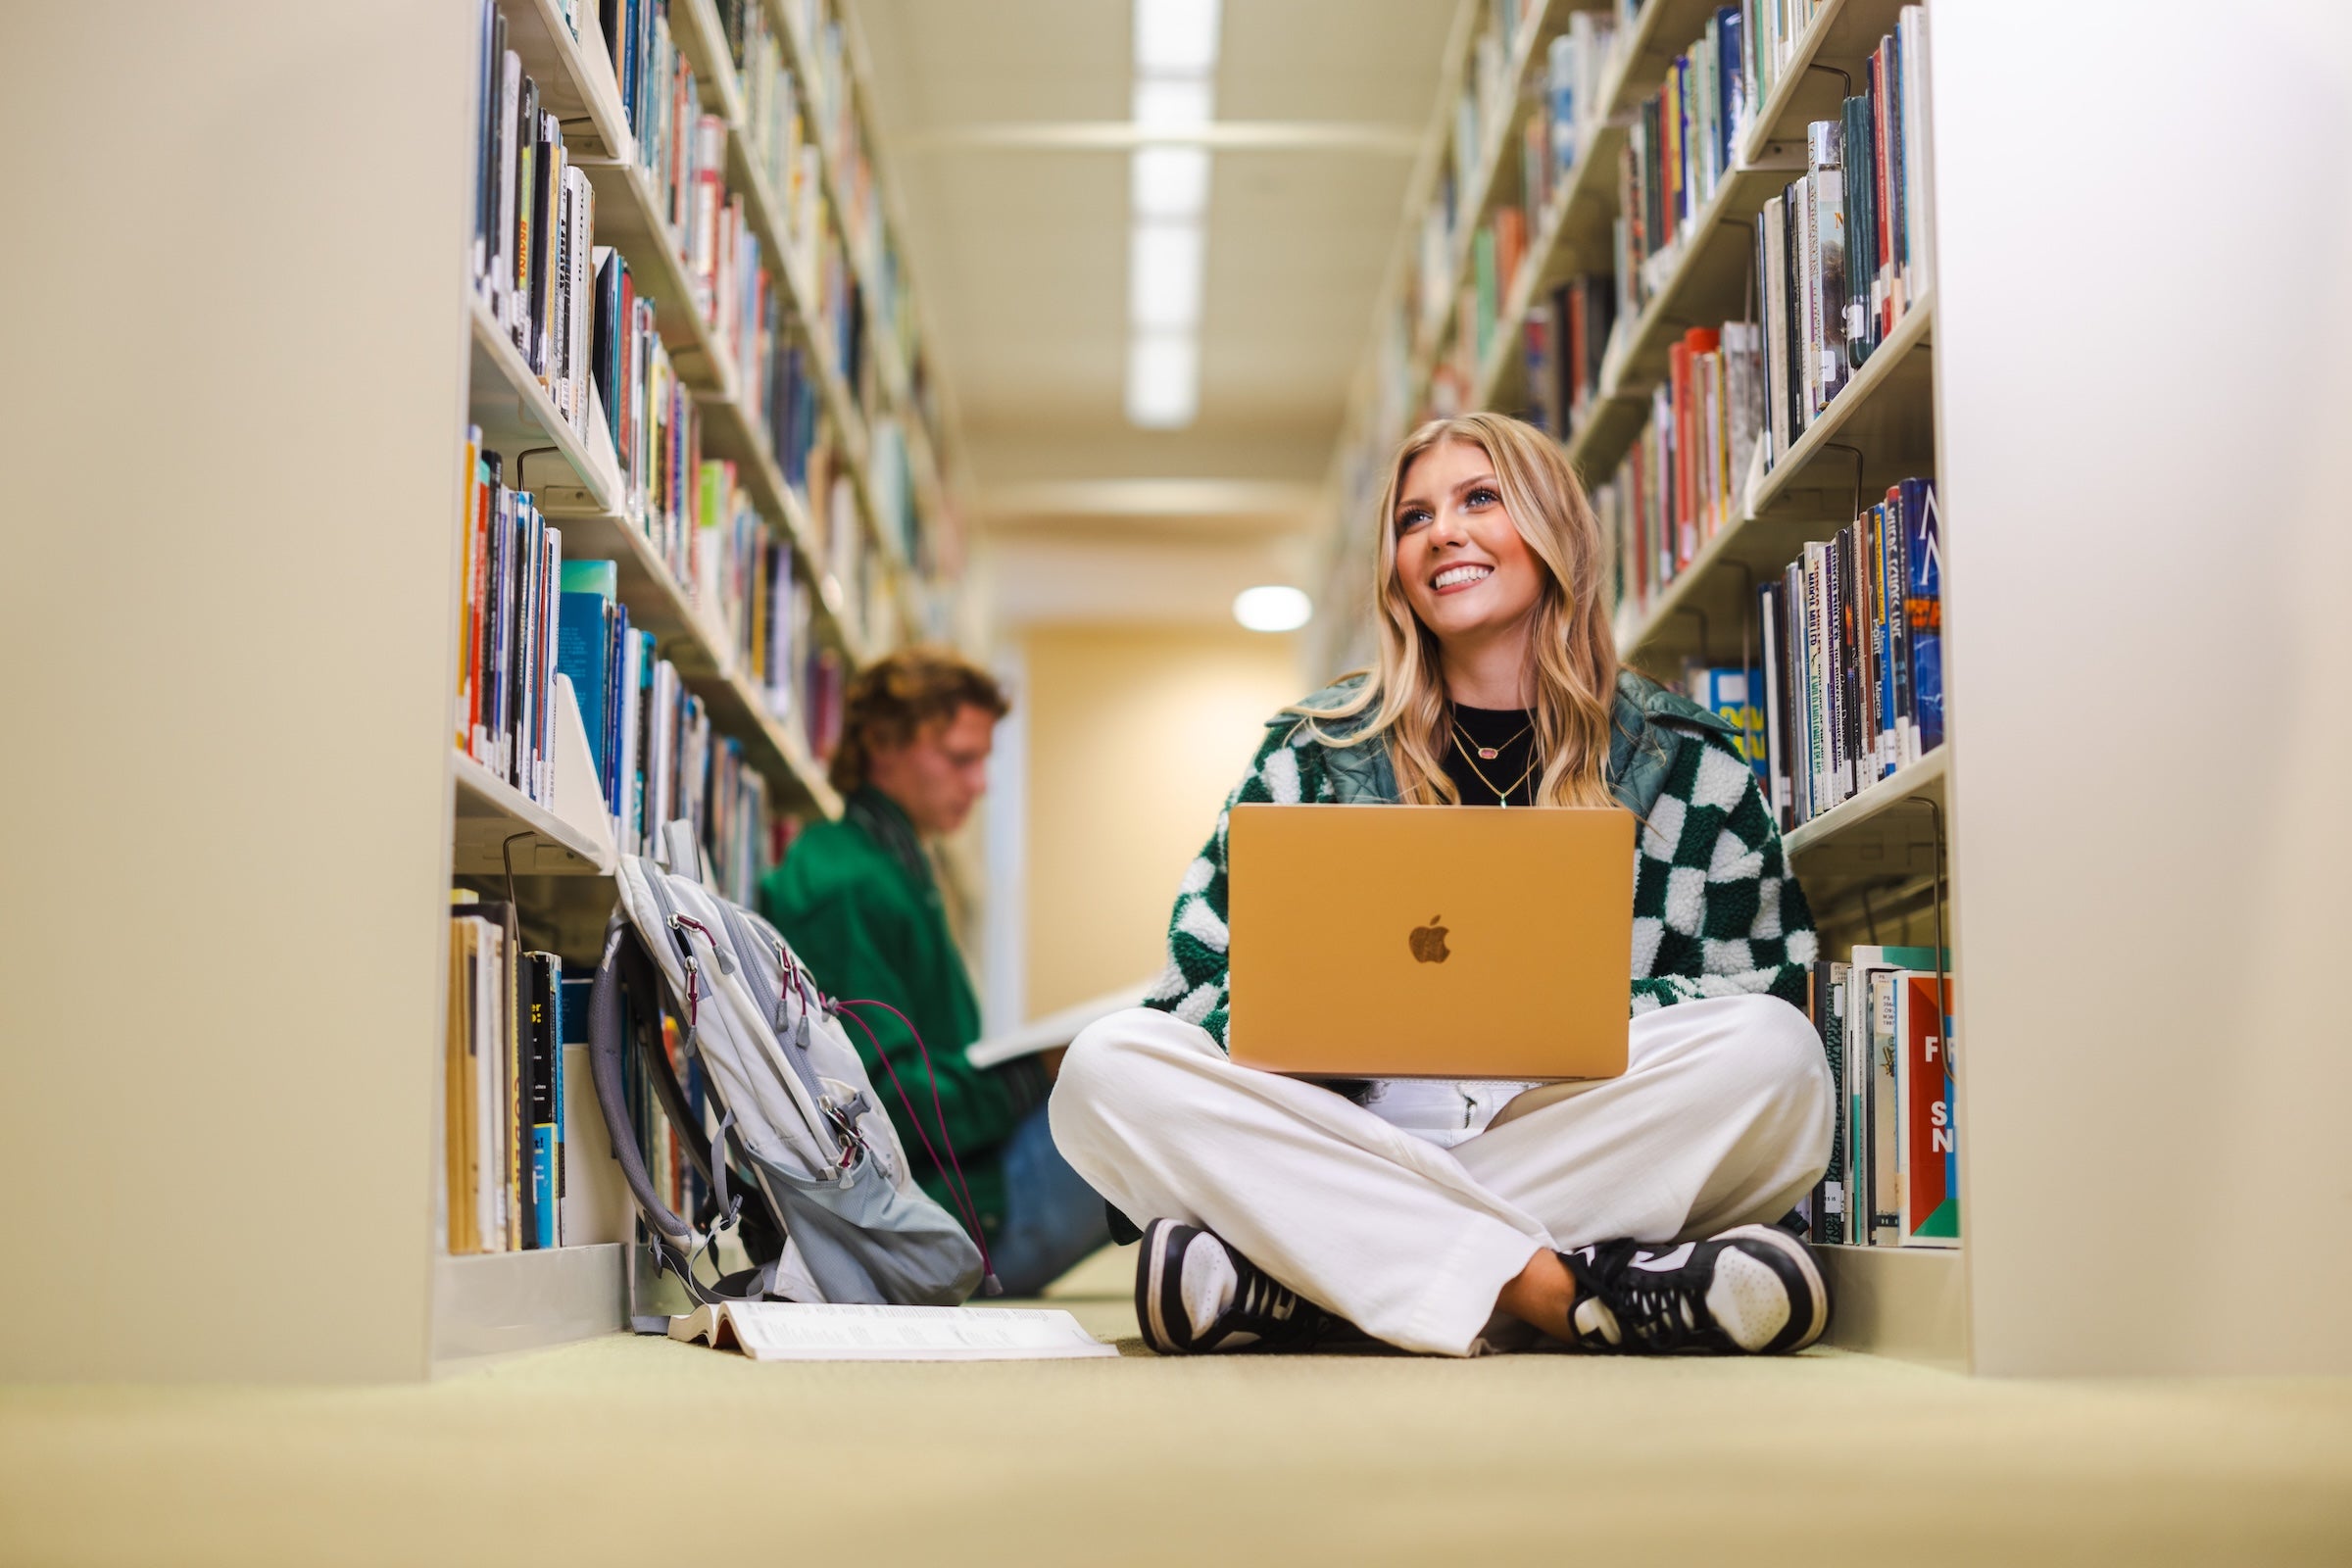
857	901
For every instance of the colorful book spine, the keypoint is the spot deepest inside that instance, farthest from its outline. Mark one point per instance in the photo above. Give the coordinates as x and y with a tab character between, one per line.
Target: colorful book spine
1683	480
544	1211
1851	236
1929	1213
509	626
1833	1203
1923	608
1851	654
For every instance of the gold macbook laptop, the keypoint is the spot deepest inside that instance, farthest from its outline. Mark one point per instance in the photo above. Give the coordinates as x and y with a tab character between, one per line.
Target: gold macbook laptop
1430	942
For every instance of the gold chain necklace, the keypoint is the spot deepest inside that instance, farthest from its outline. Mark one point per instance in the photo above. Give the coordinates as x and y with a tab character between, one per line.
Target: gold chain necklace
1501	797
1490	753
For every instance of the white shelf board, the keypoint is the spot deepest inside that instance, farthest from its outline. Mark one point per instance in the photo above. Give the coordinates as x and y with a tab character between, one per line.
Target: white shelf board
1707	285
695	28
1573	237
766	215
1664	29
1923	779
1581	239
1706	610
574	76
490	812
798	54
517	416
1907	1303
1496	151
1887	411
1877	839
496	1304
703	657
1839	40
1710	282
630	219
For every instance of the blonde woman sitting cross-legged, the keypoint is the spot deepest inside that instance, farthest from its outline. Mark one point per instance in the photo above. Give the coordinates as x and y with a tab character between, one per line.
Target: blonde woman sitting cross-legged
1630	1214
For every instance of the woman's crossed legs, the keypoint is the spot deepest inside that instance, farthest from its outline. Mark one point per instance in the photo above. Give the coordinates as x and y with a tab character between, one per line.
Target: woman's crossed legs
1722	1119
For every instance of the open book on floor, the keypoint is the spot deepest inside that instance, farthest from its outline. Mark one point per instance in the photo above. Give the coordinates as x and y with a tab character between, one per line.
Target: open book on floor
797	1331
1054	1030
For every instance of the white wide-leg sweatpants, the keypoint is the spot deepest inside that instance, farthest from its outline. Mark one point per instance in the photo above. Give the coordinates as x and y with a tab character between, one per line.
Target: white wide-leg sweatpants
1723	1118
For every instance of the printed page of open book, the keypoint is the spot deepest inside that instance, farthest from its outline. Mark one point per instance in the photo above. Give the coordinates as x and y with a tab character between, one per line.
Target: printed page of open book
796	1331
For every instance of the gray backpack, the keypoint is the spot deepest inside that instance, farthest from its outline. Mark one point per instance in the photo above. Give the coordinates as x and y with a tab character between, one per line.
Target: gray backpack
805	1163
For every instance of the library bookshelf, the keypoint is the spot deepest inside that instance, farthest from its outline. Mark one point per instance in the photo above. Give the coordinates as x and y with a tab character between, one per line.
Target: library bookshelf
1874	867
253	458
490	1303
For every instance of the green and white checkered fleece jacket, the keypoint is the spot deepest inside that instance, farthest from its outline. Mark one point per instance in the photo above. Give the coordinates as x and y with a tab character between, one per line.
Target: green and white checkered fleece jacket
1716	913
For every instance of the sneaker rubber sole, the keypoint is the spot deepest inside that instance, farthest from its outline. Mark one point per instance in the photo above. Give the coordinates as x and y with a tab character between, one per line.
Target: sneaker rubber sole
1151	1289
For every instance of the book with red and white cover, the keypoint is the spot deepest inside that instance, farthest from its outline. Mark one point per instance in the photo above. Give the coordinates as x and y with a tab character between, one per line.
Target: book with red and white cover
1930	1199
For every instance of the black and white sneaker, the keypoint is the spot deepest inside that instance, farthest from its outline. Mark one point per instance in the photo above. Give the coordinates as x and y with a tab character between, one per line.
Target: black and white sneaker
1753	1290
1194	1295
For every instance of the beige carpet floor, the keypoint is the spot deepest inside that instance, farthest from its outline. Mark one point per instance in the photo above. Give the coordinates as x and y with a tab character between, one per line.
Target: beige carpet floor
645	1452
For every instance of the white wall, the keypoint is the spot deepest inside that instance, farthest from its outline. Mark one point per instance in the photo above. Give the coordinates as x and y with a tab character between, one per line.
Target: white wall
2146	361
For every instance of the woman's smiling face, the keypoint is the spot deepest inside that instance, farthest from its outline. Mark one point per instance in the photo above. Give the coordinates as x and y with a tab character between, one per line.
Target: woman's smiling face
1464	569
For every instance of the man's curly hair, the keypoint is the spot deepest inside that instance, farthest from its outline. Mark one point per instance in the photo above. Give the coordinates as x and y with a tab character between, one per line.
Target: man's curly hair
900	694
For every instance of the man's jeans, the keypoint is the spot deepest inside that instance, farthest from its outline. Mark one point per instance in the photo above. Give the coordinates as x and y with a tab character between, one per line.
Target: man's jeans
1051	1217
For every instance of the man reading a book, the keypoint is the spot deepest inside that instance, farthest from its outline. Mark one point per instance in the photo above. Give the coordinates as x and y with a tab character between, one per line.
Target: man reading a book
857	899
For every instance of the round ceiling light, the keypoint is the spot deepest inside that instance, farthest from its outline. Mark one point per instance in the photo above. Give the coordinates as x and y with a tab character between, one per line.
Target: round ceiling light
1272	607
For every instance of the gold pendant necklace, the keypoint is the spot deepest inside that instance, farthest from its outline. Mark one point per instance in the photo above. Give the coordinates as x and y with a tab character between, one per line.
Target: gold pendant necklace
1490	753
1501	797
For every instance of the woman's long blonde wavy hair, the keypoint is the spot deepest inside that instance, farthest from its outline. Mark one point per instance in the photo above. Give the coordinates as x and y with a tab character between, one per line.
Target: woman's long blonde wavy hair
1569	646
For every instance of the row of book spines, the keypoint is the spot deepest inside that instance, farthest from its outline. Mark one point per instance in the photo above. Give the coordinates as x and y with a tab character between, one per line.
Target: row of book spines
655	419
1549	136
1684	139
776	136
658	754
1581	316
827	106
510	561
535	254
731	551
504	1086
1837	255
1691	130
1851	651
1687	138
847	291
1892	1178
1683	477
655	424
1566	106
1574	64
685	150
733	562
534	226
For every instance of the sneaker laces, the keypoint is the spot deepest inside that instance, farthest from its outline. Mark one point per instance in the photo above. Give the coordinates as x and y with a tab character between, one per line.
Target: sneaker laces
1660	1311
1275	1314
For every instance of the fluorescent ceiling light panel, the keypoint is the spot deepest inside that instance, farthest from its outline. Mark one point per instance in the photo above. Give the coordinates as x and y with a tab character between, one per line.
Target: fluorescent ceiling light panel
1175	90
1163	278
1272	607
1169	182
1183	104
1175	36
1163	380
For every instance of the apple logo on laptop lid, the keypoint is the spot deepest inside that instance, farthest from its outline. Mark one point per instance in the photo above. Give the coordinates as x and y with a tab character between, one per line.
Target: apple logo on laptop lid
1428	942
